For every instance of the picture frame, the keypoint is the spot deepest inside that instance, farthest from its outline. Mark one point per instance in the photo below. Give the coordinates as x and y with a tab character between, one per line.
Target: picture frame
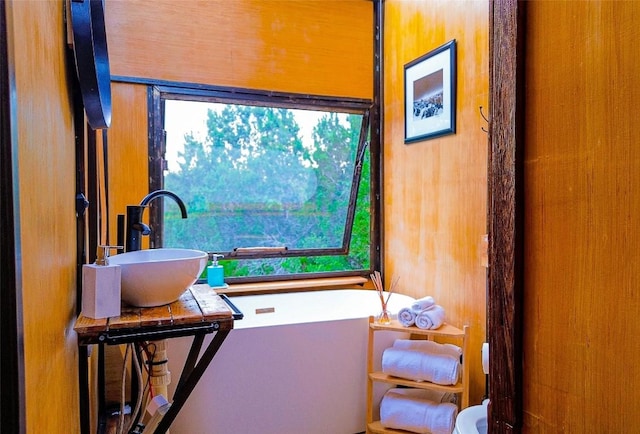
430	94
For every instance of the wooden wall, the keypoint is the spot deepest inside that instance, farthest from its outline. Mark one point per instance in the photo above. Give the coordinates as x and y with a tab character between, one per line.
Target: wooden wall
582	187
128	145
435	191
320	48
323	48
46	189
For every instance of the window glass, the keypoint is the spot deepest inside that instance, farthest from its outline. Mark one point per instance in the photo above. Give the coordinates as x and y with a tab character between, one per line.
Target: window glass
279	191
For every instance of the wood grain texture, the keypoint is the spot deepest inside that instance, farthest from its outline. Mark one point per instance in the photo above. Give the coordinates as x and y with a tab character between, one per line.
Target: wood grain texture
435	191
128	150
129	318
198	304
156	316
582	191
211	305
12	411
506	229
323	48
46	157
183	310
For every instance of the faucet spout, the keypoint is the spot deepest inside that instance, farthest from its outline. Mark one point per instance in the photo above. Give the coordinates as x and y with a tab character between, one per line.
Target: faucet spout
160	193
135	227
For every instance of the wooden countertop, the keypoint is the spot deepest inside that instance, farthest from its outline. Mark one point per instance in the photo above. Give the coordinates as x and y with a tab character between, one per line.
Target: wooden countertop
198	310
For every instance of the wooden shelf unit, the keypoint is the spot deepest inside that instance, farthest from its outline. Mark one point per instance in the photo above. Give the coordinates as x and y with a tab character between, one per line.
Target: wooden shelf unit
445	331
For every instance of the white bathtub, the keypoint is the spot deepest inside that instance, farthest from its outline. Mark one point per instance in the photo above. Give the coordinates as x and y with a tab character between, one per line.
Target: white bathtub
300	369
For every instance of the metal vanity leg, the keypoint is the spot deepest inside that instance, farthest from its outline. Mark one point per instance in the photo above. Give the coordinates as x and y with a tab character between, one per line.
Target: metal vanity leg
192	358
83	373
188	380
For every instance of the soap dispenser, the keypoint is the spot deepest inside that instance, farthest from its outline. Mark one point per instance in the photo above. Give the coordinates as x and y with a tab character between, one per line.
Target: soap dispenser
215	272
101	286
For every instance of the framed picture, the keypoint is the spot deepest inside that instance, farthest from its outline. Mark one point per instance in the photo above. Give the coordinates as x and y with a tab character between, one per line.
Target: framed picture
430	94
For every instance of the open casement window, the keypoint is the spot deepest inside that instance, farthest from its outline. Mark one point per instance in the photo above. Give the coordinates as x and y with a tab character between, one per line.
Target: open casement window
279	184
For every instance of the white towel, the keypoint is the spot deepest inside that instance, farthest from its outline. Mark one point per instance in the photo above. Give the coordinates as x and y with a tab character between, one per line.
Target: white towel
417	415
431	318
422	304
428	394
421	366
428	347
406	316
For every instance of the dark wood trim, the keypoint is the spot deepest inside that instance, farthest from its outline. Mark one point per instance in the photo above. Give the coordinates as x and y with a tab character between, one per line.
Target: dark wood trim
376	142
81	251
12	384
157	150
186	91
505	294
80	155
93	194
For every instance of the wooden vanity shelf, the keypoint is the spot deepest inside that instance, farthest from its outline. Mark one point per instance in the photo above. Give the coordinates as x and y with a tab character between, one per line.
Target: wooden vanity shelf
199	311
447	332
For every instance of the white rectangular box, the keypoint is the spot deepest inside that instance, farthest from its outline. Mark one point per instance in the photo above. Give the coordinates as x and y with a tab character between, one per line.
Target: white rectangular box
101	291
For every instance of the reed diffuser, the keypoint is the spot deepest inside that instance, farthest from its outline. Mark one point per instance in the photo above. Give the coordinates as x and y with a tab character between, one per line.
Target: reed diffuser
383	318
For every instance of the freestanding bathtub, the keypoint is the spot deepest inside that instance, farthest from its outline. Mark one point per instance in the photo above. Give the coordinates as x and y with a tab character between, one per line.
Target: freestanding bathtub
298	368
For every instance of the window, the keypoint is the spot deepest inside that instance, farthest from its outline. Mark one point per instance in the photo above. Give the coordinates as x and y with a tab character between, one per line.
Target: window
278	184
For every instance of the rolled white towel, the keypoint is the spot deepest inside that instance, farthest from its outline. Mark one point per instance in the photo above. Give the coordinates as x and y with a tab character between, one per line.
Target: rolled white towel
431	318
406	316
417	415
421	366
422	303
431	395
428	347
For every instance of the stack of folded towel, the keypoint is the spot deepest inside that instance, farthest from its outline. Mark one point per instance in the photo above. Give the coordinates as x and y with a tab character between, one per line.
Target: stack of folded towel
419	411
423	361
424	313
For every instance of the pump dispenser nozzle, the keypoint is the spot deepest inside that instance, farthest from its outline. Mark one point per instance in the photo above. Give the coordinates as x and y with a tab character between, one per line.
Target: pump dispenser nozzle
214	258
102	254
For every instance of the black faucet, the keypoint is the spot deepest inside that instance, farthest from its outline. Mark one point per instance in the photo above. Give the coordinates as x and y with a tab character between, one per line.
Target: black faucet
134	226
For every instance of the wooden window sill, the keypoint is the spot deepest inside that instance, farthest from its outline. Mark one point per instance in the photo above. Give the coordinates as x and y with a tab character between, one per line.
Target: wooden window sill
295	285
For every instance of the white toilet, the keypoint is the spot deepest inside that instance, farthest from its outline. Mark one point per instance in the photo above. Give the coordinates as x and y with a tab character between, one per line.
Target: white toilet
473	420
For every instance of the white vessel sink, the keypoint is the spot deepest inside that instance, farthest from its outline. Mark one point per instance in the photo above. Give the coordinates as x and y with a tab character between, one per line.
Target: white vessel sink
158	276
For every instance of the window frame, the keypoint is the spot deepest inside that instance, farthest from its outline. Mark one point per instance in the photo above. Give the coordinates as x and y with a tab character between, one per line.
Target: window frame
157	93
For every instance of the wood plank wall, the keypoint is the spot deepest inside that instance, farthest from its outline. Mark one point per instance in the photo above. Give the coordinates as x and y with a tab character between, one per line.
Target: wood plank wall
435	191
46	155
582	187
128	145
323	48
320	48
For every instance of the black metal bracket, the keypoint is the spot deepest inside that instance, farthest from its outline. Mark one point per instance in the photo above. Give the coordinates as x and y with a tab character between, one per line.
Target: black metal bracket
81	204
191	374
135	335
237	313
